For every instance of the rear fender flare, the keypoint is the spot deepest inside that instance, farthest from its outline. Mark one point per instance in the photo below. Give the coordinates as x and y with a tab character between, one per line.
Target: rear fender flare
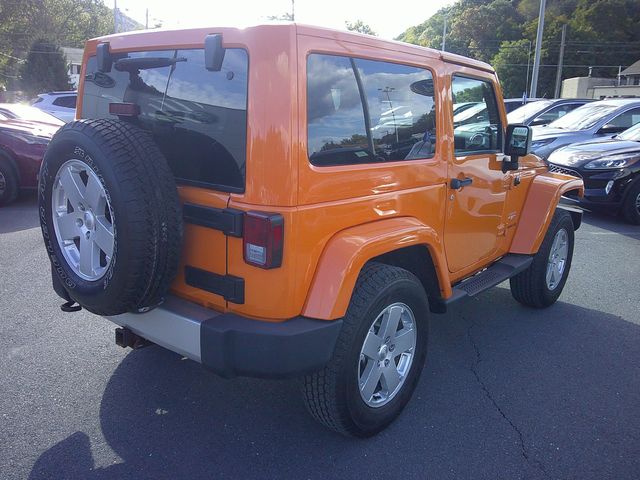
542	199
348	251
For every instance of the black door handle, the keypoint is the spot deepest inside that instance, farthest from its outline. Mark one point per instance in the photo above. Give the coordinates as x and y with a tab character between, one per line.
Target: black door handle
457	184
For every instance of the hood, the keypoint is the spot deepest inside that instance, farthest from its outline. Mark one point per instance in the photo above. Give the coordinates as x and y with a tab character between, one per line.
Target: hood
578	154
37	129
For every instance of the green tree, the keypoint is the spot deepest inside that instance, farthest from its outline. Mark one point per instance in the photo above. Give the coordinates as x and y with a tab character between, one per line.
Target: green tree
360	27
45	69
511	65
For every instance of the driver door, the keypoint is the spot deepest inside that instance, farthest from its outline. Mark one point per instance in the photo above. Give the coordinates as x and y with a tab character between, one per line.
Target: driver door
477	187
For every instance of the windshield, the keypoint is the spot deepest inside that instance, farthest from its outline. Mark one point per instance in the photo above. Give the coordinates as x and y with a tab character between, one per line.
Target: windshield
25	112
584	117
520	114
632	133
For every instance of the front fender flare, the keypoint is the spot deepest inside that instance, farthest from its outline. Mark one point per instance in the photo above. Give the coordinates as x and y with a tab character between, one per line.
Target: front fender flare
542	199
347	252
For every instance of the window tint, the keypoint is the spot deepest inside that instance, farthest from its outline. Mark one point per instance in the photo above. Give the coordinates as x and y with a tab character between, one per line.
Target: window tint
335	115
626	119
362	111
68	101
477	128
556	112
197	117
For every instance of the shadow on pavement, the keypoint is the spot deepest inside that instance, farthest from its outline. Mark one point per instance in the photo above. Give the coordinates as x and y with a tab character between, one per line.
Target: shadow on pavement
508	392
614	224
20	215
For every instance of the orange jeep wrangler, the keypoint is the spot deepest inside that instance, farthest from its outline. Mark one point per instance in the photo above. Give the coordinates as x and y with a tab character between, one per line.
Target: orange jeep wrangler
289	200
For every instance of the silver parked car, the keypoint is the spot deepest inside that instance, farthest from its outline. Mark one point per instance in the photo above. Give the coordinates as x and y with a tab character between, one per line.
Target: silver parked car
594	120
544	112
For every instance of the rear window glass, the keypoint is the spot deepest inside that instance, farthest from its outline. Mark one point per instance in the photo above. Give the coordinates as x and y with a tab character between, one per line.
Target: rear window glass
68	101
197	117
362	111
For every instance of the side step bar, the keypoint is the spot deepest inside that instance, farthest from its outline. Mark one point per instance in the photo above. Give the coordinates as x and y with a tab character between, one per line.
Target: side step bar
502	270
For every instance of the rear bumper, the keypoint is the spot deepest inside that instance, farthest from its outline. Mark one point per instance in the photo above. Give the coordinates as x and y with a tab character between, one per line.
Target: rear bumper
232	345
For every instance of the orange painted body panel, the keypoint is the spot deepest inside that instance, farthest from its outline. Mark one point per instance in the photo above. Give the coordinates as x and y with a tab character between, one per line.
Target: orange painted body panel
544	194
347	252
337	218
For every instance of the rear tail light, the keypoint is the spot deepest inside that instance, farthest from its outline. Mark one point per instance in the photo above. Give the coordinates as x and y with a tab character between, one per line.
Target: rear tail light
263	239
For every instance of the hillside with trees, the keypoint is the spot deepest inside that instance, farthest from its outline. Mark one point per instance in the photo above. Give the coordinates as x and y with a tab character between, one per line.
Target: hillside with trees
63	23
602	34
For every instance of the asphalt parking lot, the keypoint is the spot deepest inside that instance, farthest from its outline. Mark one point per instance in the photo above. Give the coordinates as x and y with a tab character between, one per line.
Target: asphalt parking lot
508	392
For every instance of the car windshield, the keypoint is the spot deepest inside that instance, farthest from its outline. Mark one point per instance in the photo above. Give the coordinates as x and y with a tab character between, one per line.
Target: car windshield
632	133
584	117
520	114
26	112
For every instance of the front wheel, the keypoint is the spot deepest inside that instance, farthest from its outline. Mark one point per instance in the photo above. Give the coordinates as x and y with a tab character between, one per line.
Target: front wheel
631	205
541	284
378	357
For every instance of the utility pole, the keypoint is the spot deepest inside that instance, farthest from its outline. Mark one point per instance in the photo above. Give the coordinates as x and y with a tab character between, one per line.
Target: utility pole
115	16
536	59
444	34
293	10
146	19
560	59
526	84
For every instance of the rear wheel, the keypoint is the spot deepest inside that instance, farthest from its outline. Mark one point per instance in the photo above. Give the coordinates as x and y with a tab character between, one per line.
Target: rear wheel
379	355
631	205
8	182
541	284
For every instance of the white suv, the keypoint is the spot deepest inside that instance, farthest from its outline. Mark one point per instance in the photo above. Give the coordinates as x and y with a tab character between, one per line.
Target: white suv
59	104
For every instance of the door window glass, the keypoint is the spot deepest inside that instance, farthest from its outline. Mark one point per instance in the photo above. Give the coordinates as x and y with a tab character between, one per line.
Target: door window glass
477	128
626	119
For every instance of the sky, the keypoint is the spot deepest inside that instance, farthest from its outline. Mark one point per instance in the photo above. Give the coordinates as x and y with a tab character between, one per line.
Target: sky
389	19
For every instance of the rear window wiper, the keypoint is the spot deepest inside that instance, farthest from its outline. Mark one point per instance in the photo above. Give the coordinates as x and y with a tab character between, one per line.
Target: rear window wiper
129	64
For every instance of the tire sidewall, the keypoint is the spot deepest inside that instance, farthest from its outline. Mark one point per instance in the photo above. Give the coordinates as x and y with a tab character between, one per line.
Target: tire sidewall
72	144
630	211
371	420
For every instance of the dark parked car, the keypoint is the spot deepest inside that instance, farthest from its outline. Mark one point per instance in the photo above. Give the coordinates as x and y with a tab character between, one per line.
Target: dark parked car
22	146
543	112
594	120
610	169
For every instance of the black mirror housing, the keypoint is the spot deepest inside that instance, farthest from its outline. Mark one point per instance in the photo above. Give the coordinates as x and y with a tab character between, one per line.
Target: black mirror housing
610	128
103	58
518	140
213	52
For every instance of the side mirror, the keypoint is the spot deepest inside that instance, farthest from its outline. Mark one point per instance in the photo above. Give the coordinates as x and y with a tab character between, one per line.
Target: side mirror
213	52
611	128
103	58
518	141
517	144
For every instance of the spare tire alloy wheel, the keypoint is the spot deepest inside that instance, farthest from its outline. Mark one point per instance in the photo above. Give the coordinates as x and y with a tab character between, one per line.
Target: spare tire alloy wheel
83	220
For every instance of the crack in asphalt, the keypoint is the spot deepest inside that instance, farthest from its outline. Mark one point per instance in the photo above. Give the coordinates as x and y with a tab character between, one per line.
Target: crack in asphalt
474	369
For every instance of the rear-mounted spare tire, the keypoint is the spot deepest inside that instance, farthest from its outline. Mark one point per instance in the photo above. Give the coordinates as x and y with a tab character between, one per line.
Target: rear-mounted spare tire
110	216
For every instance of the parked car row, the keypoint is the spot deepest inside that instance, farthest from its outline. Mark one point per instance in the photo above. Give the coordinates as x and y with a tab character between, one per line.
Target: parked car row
598	142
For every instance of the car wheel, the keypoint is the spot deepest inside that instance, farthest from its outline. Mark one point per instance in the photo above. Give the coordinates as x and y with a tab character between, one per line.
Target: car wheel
110	216
631	205
8	182
378	357
542	282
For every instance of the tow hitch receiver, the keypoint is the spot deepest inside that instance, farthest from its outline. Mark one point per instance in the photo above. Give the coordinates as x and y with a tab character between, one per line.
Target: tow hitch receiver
126	338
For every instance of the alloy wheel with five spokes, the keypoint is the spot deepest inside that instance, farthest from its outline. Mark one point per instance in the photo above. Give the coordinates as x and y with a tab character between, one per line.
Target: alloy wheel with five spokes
83	220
